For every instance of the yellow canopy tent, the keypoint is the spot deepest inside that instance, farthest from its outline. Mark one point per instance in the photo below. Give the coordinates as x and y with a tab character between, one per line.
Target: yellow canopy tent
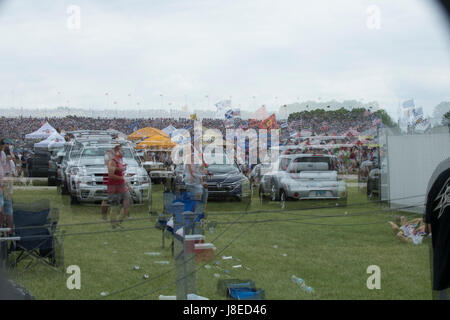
146	133
156	142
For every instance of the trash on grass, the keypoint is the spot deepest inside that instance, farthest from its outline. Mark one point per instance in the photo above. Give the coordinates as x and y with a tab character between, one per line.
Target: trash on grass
153	254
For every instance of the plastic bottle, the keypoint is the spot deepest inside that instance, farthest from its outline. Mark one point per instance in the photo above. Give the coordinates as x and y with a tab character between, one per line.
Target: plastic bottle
302	284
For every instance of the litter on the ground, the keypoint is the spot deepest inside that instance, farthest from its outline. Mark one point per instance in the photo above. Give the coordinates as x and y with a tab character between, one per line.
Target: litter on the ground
162	262
153	254
207	266
237	266
136	268
227	257
103	294
145	276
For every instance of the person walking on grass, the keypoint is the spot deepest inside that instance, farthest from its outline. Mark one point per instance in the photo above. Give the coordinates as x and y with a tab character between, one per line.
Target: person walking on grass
109	155
118	194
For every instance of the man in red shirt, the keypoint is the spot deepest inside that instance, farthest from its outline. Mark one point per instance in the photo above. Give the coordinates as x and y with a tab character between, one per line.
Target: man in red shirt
118	194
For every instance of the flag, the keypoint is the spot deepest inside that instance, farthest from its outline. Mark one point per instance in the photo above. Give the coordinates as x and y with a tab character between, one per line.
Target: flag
260	114
221	106
229	114
269	123
193	116
296	124
408	104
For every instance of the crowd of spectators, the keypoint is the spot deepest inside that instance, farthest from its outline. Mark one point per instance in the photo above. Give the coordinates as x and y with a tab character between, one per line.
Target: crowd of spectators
320	123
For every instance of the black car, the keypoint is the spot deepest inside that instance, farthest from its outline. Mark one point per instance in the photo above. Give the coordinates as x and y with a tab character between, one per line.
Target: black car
226	181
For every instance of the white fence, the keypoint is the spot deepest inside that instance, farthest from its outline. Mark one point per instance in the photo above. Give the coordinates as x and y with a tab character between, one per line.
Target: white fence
411	161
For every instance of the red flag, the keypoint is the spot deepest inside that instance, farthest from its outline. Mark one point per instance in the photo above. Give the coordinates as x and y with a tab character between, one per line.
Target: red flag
269	123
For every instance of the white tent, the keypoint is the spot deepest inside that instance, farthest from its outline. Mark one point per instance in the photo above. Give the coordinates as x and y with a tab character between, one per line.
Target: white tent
42	133
54	140
169	130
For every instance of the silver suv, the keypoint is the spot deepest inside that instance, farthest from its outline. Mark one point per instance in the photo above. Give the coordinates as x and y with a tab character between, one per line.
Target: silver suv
87	175
304	177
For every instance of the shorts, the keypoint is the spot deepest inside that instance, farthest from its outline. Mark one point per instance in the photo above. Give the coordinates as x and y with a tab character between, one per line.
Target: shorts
116	199
7	207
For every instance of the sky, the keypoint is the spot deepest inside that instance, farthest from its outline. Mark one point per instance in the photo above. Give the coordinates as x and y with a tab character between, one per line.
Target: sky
168	53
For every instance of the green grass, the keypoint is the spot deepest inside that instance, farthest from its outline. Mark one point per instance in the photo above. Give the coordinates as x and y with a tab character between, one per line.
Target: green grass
330	253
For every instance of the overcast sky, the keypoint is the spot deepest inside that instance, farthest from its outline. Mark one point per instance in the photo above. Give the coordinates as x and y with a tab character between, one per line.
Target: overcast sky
279	51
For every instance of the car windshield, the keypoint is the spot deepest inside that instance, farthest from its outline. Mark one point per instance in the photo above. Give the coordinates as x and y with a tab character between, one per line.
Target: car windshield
223	168
100	152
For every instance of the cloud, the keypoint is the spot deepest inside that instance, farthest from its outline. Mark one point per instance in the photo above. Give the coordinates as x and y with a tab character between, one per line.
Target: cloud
287	49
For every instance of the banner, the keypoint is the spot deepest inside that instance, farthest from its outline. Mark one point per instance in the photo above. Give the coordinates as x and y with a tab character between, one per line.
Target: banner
269	123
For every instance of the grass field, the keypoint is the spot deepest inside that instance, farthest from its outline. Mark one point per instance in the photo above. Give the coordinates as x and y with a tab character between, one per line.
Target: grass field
329	248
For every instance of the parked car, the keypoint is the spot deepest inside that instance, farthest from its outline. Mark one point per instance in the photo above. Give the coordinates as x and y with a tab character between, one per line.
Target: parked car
304	177
157	171
87	175
225	181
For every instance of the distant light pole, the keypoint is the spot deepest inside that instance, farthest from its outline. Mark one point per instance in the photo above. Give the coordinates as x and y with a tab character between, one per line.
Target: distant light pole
107	100
207	100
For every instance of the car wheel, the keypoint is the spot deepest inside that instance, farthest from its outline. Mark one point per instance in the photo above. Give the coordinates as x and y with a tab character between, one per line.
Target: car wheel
63	189
73	200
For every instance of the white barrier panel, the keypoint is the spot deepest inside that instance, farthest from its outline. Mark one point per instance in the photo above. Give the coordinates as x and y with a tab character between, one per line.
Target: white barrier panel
411	162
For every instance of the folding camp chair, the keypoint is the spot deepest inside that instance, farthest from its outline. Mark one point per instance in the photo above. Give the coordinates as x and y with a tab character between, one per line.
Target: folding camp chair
35	235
